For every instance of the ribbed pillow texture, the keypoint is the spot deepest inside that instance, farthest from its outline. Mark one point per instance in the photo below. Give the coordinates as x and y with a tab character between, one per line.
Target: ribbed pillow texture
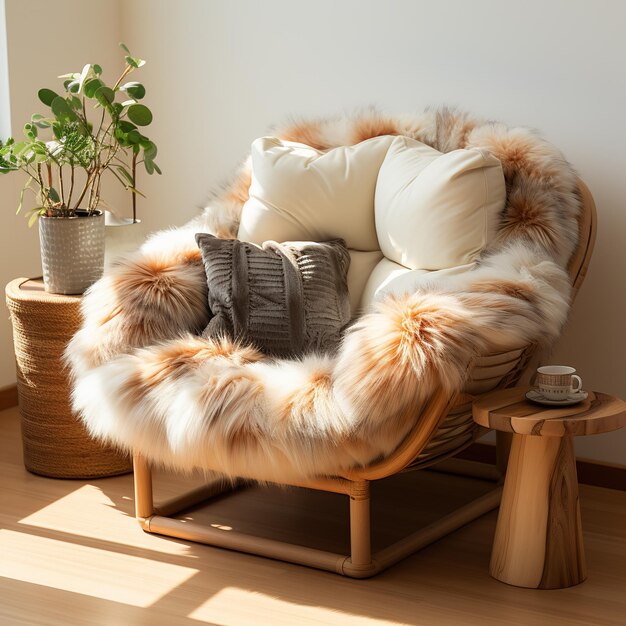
286	299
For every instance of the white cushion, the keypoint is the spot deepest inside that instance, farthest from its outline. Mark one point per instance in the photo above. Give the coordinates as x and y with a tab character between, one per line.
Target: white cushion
389	277
361	266
436	210
302	194
424	209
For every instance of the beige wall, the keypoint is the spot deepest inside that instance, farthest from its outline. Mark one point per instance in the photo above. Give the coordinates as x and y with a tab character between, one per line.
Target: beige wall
220	72
5	113
224	71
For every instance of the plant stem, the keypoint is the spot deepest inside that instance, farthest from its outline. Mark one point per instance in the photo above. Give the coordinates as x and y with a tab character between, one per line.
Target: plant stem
126	71
61	186
69	200
97	135
91	193
85	188
39	176
98	192
134	195
44	198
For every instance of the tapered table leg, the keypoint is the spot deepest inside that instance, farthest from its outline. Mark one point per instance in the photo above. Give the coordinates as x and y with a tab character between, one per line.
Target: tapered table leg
538	542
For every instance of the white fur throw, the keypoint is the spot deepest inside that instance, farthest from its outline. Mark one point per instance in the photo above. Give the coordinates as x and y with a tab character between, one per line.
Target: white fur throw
143	381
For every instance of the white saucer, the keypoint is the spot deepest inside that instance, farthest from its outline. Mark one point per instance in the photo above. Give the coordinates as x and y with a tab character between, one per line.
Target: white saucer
534	395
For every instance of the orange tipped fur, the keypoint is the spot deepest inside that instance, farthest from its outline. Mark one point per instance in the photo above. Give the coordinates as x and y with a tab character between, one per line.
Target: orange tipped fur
142	382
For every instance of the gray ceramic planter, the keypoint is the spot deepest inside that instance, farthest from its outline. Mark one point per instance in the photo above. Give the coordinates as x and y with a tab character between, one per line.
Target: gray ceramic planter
72	252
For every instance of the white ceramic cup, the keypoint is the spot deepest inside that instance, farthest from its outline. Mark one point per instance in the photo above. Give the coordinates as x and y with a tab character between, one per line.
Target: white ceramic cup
555	382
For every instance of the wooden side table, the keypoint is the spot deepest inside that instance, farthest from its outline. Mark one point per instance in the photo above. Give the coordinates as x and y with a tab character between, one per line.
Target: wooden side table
538	541
55	442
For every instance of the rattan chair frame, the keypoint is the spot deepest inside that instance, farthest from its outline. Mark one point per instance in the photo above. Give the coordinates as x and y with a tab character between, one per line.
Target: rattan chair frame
445	428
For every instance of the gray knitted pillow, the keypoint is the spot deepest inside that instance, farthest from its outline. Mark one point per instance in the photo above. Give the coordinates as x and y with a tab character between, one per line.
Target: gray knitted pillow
285	299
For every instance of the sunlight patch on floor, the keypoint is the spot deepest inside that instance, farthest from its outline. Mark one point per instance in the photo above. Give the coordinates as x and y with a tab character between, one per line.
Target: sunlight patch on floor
97	573
89	512
232	605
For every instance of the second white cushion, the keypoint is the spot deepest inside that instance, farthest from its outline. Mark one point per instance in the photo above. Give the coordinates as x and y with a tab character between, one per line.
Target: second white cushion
436	210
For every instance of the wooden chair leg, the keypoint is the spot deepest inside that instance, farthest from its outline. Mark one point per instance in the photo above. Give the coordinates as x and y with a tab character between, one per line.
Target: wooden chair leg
144	502
360	535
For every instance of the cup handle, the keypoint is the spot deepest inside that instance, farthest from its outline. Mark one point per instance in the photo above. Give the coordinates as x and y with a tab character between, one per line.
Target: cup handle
580	383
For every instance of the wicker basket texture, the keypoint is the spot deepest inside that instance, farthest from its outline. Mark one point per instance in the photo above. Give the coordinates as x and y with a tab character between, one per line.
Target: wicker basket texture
55	442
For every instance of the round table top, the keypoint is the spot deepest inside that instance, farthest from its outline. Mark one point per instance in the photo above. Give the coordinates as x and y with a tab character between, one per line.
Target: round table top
32	290
509	411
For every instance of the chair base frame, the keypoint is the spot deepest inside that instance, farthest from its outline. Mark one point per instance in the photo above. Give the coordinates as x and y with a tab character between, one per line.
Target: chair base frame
360	563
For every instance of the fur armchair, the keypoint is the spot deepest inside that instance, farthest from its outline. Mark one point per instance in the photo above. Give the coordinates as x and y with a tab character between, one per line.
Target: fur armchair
147	383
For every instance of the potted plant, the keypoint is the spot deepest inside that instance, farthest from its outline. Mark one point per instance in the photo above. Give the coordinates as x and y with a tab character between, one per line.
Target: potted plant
92	129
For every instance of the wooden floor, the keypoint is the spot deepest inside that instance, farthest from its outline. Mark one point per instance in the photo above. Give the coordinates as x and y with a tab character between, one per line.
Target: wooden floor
72	554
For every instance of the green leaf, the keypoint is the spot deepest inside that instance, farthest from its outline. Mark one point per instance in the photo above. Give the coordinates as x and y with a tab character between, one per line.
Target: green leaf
97	69
149	165
47	96
39	120
134	90
125	173
149	150
22	193
91	86
20	147
77	103
30	130
73	86
134	61
134	136
157	169
123	47
33	217
137	192
62	110
139	114
105	96
53	195
39	147
126	126
121	137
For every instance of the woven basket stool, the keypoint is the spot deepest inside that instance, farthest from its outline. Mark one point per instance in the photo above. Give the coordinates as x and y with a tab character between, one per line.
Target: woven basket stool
55	442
